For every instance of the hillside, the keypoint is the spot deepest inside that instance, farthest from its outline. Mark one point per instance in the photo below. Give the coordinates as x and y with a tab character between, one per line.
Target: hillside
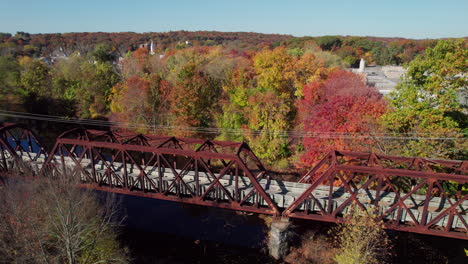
67	43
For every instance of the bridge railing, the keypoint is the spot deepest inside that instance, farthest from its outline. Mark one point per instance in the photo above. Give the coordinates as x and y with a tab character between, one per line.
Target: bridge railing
411	194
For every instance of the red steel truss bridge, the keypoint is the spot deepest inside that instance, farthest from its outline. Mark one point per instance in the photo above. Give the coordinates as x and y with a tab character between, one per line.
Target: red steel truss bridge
418	195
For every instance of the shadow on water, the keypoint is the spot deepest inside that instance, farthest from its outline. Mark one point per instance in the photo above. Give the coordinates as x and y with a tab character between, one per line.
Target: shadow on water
157	231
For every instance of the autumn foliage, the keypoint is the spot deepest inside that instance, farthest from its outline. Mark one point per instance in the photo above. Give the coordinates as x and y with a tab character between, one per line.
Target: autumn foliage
336	111
289	98
143	97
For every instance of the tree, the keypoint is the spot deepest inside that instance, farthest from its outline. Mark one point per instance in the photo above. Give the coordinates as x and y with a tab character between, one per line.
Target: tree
267	113
103	53
51	221
10	72
334	111
361	239
429	103
35	78
329	42
135	63
307	68
141	100
98	80
270	103
234	100
274	69
385	56
260	98
85	83
143	96
197	76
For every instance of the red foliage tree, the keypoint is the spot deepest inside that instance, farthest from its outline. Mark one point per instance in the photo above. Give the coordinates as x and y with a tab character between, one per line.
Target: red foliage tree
335	111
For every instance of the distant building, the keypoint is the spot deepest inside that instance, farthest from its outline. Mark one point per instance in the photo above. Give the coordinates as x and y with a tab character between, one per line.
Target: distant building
152	48
383	78
362	65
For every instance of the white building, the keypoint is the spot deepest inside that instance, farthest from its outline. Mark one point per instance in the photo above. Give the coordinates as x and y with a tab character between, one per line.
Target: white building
383	78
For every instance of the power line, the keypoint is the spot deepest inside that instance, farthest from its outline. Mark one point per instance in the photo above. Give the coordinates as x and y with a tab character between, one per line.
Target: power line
213	130
126	124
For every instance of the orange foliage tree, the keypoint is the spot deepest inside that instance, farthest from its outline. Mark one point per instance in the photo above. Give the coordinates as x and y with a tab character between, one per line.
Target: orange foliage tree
141	101
197	76
143	96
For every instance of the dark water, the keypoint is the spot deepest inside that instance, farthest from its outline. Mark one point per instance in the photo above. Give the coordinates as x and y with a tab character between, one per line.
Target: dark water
159	231
198	222
169	232
163	248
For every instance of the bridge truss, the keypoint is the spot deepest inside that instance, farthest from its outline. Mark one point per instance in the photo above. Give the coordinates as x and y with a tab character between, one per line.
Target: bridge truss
432	194
17	145
196	167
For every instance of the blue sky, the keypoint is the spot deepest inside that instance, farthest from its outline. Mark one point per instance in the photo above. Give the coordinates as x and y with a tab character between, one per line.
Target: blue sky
388	18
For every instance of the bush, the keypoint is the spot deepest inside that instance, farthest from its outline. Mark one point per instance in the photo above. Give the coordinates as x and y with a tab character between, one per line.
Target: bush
315	249
362	239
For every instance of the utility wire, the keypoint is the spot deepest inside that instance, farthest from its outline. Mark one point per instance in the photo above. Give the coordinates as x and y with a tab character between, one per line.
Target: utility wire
213	130
126	124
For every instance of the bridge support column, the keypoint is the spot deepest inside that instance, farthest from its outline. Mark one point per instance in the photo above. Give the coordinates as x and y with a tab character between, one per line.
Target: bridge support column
279	237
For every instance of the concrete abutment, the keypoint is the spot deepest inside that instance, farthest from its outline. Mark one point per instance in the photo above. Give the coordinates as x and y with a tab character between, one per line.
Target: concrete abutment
279	238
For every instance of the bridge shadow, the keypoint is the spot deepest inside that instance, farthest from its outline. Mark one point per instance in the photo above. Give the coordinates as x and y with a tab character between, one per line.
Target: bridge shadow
193	222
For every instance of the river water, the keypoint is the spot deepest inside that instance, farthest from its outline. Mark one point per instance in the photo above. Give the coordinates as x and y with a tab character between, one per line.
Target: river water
159	231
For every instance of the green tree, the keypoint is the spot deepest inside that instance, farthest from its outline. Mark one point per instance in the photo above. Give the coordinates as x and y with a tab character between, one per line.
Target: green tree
329	42
384	55
270	103
103	53
98	80
86	83
267	117
10	72
35	78
234	100
430	102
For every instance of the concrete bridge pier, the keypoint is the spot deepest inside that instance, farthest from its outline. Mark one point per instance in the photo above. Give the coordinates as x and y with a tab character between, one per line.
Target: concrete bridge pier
279	237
